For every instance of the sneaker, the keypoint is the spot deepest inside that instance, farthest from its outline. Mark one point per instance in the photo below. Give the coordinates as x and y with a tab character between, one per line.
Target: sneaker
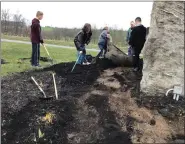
88	63
32	66
39	66
84	63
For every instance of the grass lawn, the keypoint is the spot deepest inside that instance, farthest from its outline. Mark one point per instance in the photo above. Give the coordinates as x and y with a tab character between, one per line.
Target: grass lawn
47	41
47	28
12	52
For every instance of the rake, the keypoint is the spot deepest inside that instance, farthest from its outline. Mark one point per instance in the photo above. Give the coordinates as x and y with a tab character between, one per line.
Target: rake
48	54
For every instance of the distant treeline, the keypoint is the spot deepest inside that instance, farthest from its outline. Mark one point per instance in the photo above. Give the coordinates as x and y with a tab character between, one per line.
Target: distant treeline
16	24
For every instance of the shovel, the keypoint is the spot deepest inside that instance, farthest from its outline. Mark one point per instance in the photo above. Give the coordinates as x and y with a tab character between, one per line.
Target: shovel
56	93
75	63
43	98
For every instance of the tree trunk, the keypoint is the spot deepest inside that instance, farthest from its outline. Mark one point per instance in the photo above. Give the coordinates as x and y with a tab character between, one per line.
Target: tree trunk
163	52
117	56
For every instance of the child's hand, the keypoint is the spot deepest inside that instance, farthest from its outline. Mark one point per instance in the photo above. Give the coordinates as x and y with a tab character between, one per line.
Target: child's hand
41	41
108	35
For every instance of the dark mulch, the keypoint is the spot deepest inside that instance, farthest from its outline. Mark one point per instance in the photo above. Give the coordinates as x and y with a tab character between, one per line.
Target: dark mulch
22	109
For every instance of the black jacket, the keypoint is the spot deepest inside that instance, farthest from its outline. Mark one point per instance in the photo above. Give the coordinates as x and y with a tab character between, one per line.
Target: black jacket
138	37
81	39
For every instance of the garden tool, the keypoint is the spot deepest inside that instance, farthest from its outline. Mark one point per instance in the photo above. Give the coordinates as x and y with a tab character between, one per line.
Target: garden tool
56	93
75	63
96	58
42	98
51	60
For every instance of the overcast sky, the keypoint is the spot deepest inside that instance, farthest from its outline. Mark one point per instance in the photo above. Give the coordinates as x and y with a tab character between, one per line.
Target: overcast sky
75	14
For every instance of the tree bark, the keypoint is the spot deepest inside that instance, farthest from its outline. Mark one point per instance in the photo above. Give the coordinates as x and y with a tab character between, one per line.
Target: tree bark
117	56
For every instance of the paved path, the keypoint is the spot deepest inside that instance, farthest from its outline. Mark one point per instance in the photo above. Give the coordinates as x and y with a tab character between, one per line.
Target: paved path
50	45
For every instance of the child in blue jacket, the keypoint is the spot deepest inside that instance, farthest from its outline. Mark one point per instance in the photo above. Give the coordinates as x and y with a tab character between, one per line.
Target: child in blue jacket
132	24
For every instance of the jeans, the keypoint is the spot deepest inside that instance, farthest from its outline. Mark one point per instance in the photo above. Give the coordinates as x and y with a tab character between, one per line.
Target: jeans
35	54
82	56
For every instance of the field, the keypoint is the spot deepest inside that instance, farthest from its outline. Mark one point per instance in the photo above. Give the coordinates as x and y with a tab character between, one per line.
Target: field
12	52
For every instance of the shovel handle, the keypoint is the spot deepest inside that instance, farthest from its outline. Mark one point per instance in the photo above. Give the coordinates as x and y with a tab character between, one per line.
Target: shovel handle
38	86
75	63
47	51
56	93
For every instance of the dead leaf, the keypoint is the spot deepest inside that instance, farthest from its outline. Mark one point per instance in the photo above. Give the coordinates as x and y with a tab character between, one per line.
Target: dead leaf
41	135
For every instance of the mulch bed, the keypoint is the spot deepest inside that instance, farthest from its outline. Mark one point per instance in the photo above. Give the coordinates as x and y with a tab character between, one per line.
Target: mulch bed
22	111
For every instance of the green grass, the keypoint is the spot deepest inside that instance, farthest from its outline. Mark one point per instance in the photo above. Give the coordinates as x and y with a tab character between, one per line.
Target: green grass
47	41
11	52
47	28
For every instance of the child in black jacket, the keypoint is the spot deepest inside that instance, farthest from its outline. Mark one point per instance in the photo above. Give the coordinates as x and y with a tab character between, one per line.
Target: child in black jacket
82	38
137	41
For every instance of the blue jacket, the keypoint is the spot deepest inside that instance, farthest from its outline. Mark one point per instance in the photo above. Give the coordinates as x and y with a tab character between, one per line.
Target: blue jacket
103	38
128	34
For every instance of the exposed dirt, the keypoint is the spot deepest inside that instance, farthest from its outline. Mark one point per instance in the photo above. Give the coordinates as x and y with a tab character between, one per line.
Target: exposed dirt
97	104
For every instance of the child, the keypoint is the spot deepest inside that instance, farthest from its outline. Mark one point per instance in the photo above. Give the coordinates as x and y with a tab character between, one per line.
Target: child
132	24
36	39
102	43
137	41
82	38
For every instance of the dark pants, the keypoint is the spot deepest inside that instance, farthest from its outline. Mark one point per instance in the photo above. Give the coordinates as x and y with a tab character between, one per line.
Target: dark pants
35	54
136	60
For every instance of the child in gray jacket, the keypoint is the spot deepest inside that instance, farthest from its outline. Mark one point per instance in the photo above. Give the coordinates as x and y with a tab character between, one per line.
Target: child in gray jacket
102	43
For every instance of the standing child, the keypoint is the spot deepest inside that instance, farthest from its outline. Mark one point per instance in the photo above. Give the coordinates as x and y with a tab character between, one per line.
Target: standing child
102	43
132	24
137	41
82	38
36	39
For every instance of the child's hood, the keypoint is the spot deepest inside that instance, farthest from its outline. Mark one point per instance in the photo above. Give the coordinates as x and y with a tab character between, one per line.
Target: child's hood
35	21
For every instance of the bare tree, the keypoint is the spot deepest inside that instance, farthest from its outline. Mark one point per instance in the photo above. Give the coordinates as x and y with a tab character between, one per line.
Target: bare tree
5	18
16	24
19	23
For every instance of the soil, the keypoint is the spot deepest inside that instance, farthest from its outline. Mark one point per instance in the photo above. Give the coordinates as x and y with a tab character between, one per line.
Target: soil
97	104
